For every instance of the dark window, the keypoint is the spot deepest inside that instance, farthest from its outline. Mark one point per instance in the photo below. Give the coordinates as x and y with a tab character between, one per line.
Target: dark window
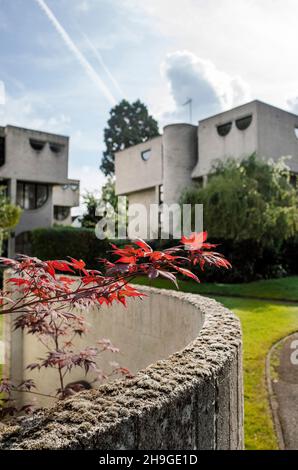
293	180
2	151
23	243
37	145
243	123
41	194
31	195
146	154
160	196
61	212
56	148
4	186
200	181
224	129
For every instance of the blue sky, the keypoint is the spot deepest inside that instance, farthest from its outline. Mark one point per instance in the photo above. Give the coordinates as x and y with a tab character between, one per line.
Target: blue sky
63	63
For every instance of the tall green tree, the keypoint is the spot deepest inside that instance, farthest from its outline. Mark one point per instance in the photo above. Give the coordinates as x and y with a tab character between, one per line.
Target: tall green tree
129	124
9	216
252	200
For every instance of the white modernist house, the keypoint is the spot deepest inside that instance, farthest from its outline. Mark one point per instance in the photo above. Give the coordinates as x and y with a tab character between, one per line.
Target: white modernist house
158	170
34	169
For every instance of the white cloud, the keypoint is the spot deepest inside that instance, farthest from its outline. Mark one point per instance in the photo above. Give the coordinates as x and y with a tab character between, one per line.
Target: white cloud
251	38
211	90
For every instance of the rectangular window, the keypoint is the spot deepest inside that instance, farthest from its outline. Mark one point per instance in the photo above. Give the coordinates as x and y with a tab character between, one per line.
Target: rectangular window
61	212
41	194
31	195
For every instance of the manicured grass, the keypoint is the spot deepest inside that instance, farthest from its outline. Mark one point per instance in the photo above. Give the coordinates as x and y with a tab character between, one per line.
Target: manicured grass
279	289
263	324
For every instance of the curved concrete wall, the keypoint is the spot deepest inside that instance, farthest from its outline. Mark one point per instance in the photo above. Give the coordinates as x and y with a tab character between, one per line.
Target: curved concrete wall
148	330
191	399
180	154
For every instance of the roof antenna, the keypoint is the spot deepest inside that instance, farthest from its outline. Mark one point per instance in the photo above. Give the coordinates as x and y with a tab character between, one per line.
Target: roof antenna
189	102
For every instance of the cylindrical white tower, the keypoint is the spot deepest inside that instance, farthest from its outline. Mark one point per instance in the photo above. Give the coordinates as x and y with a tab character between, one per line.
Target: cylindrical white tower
180	155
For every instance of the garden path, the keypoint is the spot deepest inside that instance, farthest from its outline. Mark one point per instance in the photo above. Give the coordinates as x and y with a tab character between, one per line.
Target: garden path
285	389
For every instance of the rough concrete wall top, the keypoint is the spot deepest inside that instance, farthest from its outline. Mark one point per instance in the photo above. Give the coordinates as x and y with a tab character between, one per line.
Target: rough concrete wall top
156	409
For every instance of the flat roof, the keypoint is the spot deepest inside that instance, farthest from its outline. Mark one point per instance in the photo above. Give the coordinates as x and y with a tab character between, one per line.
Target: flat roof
36	131
244	105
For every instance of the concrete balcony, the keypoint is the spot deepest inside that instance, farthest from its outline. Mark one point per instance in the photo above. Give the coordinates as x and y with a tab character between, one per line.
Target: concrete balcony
68	194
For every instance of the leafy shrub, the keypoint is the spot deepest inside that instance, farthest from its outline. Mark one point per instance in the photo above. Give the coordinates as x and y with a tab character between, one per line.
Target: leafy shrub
251	207
251	260
289	255
250	200
59	242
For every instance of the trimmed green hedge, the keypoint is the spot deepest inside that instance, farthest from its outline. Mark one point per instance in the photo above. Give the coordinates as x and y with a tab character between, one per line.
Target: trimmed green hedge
250	260
61	242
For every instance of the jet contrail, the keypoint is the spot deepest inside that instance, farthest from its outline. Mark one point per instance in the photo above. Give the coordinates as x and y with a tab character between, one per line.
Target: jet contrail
100	60
82	60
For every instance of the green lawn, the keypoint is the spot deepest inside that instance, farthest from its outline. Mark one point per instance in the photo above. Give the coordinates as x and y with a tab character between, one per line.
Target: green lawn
263	323
280	289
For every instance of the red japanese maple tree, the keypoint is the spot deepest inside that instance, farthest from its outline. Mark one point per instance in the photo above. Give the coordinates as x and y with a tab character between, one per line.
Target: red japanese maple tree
50	298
